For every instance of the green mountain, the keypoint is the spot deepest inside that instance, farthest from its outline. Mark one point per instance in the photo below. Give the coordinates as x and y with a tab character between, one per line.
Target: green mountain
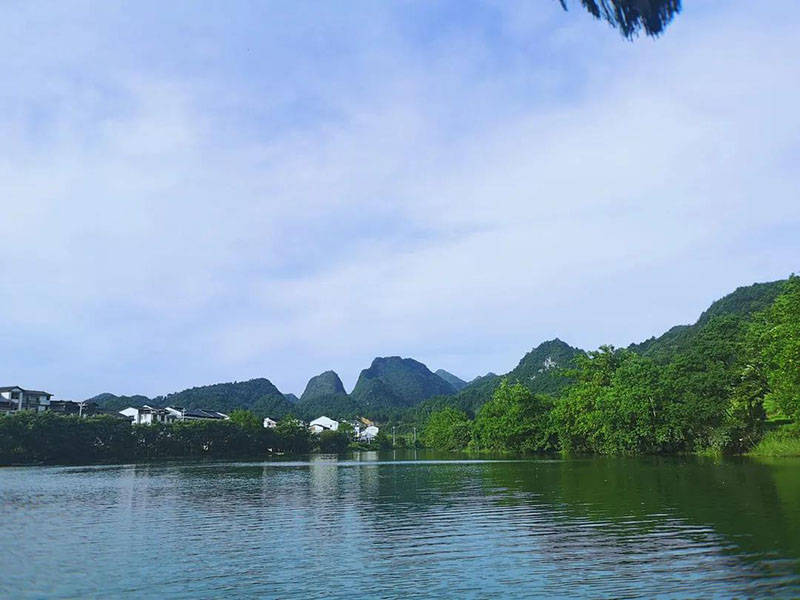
335	406
257	395
742	303
393	382
541	370
324	384
456	382
325	395
291	398
110	401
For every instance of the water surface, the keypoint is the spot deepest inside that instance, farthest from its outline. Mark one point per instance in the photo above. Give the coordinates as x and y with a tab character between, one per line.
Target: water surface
403	526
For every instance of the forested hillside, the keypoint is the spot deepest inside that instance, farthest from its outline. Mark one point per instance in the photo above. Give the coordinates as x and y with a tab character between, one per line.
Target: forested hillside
325	395
393	382
457	383
708	387
256	395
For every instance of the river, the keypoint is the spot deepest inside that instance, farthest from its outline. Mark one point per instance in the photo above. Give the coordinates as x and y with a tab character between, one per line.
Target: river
403	525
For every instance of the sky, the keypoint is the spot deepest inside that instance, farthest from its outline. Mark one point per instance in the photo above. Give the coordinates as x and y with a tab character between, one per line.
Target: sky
197	192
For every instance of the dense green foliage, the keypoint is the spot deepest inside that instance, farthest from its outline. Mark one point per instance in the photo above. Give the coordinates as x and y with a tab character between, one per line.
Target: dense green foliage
775	344
700	388
447	429
514	420
257	395
744	302
245	418
28	437
336	442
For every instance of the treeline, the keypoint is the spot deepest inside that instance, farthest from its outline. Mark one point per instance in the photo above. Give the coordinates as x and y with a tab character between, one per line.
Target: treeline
47	438
723	386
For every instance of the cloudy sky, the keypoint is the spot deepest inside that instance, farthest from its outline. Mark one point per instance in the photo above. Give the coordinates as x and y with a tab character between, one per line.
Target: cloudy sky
195	192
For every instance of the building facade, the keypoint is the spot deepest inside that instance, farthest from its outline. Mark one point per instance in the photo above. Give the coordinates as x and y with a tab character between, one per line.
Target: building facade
147	415
14	398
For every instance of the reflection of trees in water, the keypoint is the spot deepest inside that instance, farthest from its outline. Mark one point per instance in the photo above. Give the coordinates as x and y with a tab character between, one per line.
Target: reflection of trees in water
632	16
753	505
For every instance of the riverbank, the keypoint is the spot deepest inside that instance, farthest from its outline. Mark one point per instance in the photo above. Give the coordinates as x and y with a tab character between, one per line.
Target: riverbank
784	441
49	439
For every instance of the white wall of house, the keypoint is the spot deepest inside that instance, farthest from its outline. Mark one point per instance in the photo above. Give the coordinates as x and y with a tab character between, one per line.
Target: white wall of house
270	423
368	434
320	424
146	415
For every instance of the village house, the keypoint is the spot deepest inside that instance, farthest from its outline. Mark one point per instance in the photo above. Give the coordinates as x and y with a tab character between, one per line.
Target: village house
368	434
270	423
14	398
147	415
323	424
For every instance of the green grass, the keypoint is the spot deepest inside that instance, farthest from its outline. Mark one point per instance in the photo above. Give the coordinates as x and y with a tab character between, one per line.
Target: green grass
784	441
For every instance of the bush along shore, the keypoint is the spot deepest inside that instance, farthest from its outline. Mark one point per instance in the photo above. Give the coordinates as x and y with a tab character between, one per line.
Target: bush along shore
46	438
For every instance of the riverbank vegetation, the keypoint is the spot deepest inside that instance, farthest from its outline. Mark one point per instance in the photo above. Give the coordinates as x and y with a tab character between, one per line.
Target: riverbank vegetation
782	441
46	438
709	388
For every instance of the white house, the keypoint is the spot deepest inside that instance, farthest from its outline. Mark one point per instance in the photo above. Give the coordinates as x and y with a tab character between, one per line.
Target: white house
323	423
270	423
147	415
195	414
14	398
368	434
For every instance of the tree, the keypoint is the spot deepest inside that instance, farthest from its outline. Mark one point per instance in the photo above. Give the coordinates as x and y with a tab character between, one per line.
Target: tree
774	348
632	16
514	420
293	436
617	406
245	418
447	429
334	442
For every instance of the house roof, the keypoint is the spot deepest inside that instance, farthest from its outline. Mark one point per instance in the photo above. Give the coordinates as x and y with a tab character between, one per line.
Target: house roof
202	413
325	422
10	388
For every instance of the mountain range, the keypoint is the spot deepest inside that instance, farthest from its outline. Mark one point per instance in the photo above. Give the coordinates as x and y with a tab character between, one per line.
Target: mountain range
391	386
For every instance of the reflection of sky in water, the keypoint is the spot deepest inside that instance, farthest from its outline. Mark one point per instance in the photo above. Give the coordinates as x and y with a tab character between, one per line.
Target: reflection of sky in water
329	528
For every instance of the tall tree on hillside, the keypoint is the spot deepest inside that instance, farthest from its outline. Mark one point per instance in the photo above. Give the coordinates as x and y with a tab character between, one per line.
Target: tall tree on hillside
632	16
774	342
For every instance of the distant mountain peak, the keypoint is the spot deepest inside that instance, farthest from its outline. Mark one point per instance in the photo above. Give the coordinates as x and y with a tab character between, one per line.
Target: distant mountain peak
455	381
393	382
327	383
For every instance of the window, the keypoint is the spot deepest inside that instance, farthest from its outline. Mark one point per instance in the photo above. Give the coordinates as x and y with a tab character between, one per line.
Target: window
15	395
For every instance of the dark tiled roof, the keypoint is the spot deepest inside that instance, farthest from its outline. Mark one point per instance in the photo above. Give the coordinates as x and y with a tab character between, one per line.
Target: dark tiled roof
201	413
16	387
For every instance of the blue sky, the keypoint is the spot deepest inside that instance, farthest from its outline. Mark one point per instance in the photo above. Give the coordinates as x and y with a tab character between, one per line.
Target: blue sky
195	192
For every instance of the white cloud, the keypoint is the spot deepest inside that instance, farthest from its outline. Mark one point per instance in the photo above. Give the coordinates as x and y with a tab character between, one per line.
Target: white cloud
456	201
